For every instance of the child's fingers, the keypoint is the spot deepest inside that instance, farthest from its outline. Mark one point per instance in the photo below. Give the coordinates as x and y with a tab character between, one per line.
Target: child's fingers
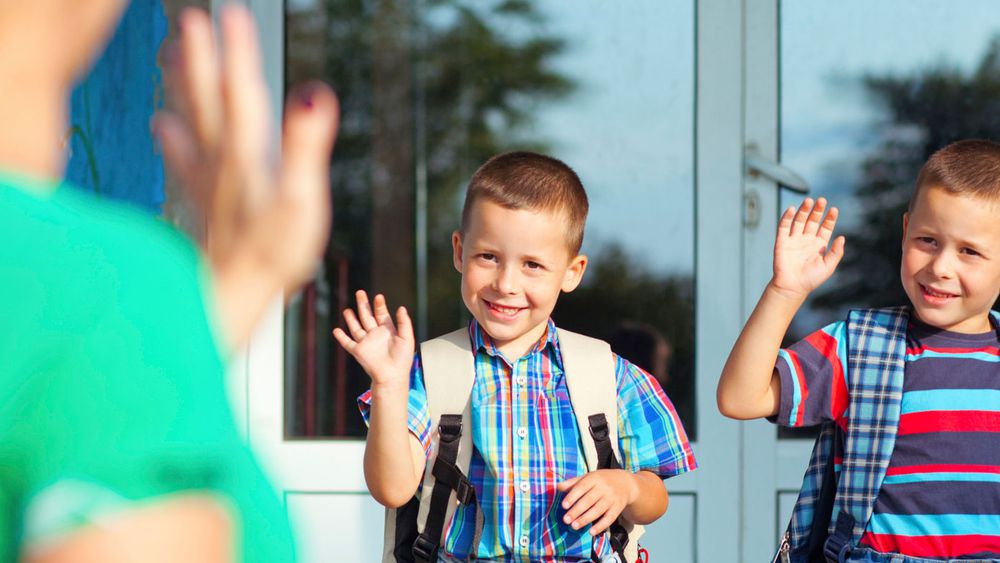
381	311
586	510
346	341
815	217
567	484
785	222
357	332
826	228
404	325
365	316
577	490
605	522
801	216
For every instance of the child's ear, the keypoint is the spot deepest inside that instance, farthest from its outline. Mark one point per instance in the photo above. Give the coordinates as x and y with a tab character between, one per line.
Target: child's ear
456	248
906	222
574	272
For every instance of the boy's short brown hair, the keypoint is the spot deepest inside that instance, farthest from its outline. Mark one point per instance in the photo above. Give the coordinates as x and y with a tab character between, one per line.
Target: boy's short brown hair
970	167
527	180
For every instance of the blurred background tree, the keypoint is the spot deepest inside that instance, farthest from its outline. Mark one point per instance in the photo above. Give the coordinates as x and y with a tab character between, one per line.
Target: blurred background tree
924	110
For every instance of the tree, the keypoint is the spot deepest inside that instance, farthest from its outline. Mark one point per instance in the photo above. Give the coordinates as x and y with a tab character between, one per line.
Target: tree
925	110
429	90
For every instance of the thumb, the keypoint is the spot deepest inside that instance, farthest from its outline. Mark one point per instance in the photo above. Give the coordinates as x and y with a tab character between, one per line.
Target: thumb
404	326
312	116
833	256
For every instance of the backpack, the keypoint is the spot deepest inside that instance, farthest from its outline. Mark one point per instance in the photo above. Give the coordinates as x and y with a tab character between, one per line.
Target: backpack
876	350
415	531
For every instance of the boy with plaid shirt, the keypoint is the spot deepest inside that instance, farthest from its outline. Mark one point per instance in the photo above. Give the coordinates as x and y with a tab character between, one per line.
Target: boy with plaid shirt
933	474
517	249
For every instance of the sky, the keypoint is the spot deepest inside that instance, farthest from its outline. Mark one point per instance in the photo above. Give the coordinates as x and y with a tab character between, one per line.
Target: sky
628	130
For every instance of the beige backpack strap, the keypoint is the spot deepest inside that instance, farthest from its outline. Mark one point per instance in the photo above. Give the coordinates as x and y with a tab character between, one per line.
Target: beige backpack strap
589	369
449	372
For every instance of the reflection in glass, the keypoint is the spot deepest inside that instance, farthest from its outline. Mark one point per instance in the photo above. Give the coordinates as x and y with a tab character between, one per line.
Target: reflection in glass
864	102
430	90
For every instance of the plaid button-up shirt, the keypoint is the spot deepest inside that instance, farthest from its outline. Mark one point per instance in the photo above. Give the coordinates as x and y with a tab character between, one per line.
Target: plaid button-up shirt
525	441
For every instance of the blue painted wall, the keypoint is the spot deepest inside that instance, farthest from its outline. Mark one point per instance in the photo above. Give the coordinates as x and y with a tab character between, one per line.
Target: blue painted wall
111	150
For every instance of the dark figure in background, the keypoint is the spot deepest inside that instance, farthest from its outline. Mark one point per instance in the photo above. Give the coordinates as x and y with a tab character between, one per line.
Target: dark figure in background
645	347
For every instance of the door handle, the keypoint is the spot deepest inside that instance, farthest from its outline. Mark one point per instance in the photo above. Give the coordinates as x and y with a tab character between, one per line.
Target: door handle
756	165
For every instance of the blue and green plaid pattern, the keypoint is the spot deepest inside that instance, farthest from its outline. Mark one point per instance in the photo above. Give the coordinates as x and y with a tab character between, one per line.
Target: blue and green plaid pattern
876	351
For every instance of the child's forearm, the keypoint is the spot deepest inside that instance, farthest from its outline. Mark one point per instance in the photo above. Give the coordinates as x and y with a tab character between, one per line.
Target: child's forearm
391	470
749	386
650	502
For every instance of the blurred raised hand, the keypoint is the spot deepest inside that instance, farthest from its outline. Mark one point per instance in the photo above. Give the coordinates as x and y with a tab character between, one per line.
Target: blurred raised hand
267	216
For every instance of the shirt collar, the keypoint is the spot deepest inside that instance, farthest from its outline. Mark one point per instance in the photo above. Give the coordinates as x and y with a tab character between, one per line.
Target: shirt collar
481	341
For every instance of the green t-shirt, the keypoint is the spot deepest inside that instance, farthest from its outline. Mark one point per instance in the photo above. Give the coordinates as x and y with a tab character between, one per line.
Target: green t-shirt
111	380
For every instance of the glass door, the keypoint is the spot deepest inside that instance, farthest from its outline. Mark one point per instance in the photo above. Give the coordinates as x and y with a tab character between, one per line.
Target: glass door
628	97
852	97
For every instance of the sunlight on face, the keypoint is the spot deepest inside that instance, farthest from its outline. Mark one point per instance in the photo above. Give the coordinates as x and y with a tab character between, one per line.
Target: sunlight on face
951	260
514	264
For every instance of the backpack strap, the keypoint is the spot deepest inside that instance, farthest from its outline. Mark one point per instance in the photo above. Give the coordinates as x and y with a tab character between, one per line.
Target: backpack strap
589	369
876	358
876	348
449	373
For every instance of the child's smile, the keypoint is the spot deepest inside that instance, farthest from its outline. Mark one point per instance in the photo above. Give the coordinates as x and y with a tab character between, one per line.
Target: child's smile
503	312
936	297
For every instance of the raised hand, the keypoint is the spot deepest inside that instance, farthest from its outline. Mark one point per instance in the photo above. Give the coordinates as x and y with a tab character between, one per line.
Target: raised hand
266	219
384	350
802	259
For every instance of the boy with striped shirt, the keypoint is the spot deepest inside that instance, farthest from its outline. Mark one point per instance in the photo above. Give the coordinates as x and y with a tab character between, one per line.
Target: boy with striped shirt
517	250
940	495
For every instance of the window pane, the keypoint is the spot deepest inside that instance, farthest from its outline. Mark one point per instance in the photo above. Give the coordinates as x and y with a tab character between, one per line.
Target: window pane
868	92
429	91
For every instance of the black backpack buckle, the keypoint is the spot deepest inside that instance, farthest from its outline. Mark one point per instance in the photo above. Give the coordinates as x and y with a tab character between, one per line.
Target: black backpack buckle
450	427
598	427
424	549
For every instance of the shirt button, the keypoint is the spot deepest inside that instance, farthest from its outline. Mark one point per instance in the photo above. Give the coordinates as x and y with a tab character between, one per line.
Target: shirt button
522	432
524	541
524	486
522	380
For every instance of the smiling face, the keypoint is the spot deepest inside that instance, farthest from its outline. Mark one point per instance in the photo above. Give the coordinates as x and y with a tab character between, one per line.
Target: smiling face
951	259
514	264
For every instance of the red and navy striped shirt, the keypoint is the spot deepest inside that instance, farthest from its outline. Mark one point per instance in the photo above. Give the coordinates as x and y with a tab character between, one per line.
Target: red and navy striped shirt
941	493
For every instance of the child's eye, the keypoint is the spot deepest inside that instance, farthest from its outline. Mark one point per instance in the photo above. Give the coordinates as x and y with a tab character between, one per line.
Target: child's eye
926	240
970	252
533	265
487	257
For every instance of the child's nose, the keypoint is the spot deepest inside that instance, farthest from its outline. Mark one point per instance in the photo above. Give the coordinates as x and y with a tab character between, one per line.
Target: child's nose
942	265
506	280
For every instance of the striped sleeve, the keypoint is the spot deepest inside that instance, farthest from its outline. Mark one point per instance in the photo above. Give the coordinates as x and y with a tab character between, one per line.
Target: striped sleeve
650	434
418	419
813	382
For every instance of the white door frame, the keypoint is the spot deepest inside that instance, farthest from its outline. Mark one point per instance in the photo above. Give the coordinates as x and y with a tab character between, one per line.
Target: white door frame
772	469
